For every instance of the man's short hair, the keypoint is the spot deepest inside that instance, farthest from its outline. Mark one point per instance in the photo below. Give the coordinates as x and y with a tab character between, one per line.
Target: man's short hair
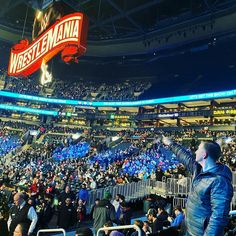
108	224
84	232
178	208
213	149
139	223
152	212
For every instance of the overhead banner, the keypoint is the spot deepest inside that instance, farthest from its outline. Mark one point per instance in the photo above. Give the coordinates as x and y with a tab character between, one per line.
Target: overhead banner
67	35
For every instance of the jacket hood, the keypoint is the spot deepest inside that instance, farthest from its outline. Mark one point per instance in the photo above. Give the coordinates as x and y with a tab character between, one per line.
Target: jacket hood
221	170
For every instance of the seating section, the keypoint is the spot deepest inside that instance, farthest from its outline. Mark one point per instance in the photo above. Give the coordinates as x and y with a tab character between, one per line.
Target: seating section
8	142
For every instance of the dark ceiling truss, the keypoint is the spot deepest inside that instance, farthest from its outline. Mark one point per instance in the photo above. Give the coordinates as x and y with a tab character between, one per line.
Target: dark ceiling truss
126	14
114	19
8	5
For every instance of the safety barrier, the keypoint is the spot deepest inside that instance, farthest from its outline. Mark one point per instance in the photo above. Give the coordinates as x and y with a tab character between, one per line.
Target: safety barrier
233	202
121	227
179	201
158	187
234	180
131	191
178	186
138	190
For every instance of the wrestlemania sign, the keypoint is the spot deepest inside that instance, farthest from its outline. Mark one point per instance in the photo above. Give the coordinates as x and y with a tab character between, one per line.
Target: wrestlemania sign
67	35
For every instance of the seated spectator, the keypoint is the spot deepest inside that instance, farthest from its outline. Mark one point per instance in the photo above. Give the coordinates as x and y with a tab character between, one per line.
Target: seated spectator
84	232
138	223
179	217
147	228
162	215
152	219
111	232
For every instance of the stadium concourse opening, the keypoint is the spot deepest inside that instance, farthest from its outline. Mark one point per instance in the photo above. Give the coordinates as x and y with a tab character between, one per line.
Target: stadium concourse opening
132	132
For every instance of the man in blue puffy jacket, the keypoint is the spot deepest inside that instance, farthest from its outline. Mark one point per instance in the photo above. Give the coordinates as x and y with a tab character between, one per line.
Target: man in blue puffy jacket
211	192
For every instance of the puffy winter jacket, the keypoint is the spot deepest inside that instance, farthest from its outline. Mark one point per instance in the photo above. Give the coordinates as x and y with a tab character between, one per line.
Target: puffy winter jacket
209	199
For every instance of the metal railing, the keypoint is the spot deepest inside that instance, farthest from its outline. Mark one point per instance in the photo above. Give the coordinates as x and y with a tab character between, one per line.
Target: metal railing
137	190
131	191
179	201
52	231
121	227
233	202
234	180
178	186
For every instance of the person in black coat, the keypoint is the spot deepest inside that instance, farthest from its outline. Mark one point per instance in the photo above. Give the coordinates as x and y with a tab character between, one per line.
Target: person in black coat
47	213
162	215
66	215
66	194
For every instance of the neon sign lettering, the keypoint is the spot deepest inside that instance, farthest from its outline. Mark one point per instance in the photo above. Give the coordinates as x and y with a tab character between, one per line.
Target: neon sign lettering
67	35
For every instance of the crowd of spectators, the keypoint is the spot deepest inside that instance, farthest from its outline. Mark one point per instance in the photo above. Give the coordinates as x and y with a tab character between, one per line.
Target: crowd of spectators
44	178
124	91
9	140
82	89
23	86
74	90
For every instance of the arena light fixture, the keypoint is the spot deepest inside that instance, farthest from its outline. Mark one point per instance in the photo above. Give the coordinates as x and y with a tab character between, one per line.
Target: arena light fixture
46	76
185	98
29	110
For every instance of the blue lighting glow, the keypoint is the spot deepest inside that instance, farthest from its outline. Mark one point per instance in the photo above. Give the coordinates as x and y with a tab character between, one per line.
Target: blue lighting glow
30	110
185	98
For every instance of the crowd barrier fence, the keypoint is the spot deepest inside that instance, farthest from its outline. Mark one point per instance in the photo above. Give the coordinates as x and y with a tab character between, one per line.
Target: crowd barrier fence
234	180
138	190
179	201
131	191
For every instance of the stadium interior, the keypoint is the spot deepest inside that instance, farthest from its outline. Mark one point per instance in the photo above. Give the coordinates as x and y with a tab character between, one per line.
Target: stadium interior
151	68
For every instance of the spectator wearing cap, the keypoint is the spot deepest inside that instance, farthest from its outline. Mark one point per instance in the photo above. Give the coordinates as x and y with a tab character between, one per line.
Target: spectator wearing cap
152	218
179	217
104	212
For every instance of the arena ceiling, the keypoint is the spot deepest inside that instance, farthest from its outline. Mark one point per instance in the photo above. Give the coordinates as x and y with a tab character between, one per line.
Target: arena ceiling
201	66
111	19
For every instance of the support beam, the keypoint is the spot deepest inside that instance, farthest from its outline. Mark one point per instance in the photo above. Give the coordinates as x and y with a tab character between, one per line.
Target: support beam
124	14
132	11
8	5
